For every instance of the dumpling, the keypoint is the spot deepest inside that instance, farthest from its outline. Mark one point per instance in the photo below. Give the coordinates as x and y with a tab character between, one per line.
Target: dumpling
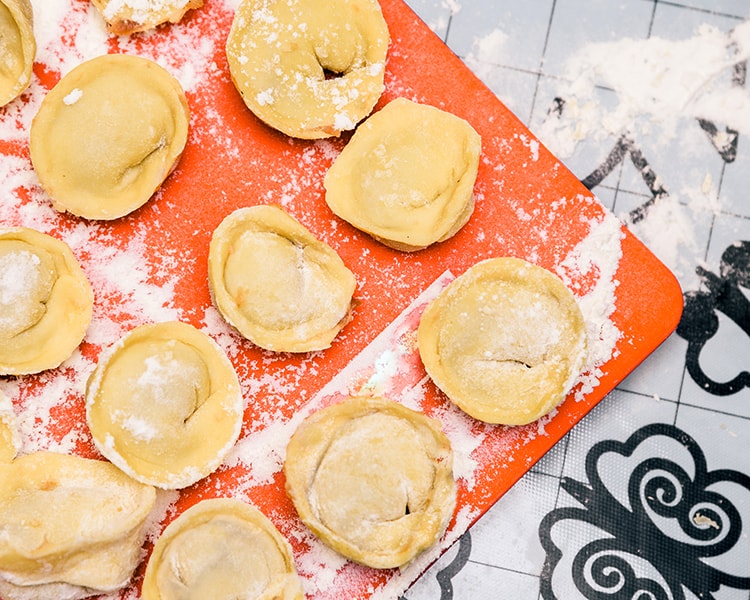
108	134
17	48
309	68
46	301
372	479
505	341
276	283
164	404
407	175
71	527
9	439
124	17
221	548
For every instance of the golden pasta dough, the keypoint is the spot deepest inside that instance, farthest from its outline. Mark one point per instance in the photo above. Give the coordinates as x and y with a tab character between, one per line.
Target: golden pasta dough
309	68
221	548
164	404
407	175
9	439
17	48
505	341
278	285
46	302
124	17
372	479
71	527
108	134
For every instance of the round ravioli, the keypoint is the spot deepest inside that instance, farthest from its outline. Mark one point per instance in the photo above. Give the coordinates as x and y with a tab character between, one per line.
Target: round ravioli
164	404
124	17
72	527
221	549
17	48
108	134
309	68
46	302
505	341
372	479
278	285
407	175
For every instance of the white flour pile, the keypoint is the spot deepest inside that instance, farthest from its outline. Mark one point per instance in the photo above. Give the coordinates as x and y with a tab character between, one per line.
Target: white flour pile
662	87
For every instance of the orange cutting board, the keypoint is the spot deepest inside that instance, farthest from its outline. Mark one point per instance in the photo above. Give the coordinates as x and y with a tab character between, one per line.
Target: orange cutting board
527	205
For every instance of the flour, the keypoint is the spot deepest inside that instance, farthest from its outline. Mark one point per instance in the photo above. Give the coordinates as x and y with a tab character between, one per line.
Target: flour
662	87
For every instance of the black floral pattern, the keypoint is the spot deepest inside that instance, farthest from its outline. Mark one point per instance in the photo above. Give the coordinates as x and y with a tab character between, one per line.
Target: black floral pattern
658	526
700	321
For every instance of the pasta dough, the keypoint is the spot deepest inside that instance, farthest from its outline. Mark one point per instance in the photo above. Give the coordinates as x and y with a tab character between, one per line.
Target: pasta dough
46	302
17	48
221	549
372	479
505	341
407	175
282	288
309	68
108	134
124	17
71	527
164	404
9	439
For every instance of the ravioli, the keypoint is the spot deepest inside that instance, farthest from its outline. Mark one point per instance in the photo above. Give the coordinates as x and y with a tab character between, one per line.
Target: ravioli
221	548
46	301
276	283
505	341
372	479
407	175
107	136
164	404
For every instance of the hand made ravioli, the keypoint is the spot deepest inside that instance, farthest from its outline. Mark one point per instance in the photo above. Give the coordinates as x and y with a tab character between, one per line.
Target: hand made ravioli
407	175
46	302
17	48
278	285
108	134
124	17
309	68
221	548
505	341
372	479
164	404
71	527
